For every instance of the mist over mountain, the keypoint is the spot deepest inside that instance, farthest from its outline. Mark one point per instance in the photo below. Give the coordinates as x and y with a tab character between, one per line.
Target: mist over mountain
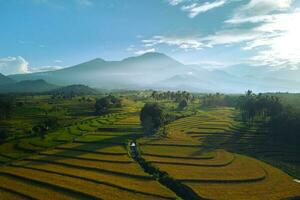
5	80
27	86
159	71
73	90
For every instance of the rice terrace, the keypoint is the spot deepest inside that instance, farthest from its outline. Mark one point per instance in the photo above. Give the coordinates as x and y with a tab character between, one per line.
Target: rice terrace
194	100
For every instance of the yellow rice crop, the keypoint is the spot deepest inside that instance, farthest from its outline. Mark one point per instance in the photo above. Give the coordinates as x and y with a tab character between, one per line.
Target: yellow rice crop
135	120
128	168
276	185
10	196
97	147
242	168
176	151
30	190
84	155
222	158
143	185
94	190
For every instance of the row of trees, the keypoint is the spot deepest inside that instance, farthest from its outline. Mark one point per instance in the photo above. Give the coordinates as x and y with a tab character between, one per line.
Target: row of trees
7	103
214	100
174	96
283	122
261	107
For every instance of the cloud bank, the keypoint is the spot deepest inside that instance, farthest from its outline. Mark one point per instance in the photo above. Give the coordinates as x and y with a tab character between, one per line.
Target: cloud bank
13	65
19	65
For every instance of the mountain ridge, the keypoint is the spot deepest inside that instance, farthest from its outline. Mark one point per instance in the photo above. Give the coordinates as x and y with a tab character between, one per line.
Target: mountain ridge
5	80
157	70
27	86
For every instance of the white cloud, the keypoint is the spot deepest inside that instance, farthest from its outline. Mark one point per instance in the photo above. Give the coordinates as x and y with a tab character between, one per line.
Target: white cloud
275	41
45	68
251	19
175	2
230	37
18	65
259	11
196	8
276	31
13	65
181	42
140	52
260	7
282	46
58	61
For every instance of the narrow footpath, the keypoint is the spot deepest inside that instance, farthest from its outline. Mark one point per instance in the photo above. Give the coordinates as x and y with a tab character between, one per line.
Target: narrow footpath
181	190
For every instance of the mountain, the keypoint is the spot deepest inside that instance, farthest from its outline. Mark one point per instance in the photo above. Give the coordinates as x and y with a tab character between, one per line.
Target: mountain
159	71
127	73
27	86
74	90
5	80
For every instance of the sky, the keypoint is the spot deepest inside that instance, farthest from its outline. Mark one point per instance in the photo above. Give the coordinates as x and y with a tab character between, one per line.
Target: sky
41	35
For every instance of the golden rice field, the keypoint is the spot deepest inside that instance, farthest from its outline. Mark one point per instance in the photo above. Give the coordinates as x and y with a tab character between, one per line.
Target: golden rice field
91	161
188	155
96	165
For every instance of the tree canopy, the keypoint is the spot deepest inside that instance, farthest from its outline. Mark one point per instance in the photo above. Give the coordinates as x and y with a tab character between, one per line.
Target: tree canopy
152	117
283	122
103	105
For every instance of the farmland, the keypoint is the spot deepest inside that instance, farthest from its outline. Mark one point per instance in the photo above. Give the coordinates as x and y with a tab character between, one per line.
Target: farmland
193	153
95	160
208	151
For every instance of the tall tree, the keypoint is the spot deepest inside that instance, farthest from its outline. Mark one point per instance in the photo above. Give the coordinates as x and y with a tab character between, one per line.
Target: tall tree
152	117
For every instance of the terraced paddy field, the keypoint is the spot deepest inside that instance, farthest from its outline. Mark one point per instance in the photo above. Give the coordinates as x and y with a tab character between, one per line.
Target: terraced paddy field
91	160
17	149
95	165
193	154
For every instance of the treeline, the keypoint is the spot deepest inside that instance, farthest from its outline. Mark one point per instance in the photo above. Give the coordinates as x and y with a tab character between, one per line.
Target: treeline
7	103
282	121
173	96
154	118
215	100
103	105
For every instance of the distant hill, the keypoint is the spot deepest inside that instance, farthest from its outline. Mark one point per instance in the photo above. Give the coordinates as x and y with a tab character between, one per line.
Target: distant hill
28	86
159	71
128	73
73	90
5	80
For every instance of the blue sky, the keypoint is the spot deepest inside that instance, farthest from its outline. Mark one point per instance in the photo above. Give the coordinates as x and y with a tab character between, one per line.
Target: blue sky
38	35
